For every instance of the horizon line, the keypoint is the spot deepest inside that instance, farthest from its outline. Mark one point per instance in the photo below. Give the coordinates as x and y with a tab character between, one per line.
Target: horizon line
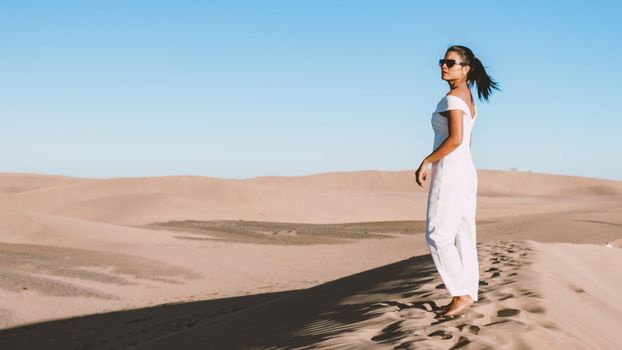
509	170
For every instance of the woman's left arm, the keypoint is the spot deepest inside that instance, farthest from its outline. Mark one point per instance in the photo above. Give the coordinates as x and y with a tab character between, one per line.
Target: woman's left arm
453	141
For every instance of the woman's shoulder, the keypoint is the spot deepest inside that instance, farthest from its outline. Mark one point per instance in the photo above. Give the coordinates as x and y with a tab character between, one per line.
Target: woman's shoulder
451	101
459	96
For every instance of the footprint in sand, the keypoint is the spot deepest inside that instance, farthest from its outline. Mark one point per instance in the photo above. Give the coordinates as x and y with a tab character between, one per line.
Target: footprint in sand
504	304
507	312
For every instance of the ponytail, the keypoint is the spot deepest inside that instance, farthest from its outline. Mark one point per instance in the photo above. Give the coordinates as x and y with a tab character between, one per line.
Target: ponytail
477	74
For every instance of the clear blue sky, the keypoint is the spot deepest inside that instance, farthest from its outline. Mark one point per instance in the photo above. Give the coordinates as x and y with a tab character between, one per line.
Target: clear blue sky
237	89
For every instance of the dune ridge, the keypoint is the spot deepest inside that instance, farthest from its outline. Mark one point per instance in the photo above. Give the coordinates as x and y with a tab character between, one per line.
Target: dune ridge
319	198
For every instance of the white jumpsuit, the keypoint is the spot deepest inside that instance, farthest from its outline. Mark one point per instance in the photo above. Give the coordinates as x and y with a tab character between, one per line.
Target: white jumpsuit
450	216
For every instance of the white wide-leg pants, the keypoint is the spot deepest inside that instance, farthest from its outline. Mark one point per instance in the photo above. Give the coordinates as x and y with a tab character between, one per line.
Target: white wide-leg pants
450	225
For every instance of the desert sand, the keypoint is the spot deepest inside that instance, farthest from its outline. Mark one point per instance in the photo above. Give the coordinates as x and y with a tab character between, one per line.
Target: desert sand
329	261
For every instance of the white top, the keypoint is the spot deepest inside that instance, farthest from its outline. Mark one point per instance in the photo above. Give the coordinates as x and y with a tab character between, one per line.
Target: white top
440	124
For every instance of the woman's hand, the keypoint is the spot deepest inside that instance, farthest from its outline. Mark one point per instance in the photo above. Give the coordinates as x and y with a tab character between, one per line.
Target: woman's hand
422	172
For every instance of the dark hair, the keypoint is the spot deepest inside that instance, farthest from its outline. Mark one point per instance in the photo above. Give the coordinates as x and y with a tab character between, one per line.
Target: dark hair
477	74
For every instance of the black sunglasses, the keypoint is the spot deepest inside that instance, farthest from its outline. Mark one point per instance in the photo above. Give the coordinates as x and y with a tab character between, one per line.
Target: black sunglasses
450	63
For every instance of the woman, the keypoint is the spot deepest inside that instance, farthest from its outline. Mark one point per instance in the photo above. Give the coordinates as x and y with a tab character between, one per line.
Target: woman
450	216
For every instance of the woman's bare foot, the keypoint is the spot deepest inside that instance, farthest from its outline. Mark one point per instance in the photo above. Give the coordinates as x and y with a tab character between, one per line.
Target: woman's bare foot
457	305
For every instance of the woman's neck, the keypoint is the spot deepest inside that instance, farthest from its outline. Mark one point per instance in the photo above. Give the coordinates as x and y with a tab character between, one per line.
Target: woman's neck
458	84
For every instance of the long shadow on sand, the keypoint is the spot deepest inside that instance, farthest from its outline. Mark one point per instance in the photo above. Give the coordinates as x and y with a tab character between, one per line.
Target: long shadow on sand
125	329
391	307
292	318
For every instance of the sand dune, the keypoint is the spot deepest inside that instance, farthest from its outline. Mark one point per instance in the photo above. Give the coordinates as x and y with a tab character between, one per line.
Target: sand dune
536	184
165	259
528	299
17	182
145	200
491	182
392	307
321	198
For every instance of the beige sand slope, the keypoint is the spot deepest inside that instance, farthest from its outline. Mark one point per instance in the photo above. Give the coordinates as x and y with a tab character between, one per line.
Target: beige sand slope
71	246
528	300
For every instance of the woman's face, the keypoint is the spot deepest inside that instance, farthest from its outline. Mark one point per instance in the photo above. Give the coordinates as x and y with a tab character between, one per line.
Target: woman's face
456	72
